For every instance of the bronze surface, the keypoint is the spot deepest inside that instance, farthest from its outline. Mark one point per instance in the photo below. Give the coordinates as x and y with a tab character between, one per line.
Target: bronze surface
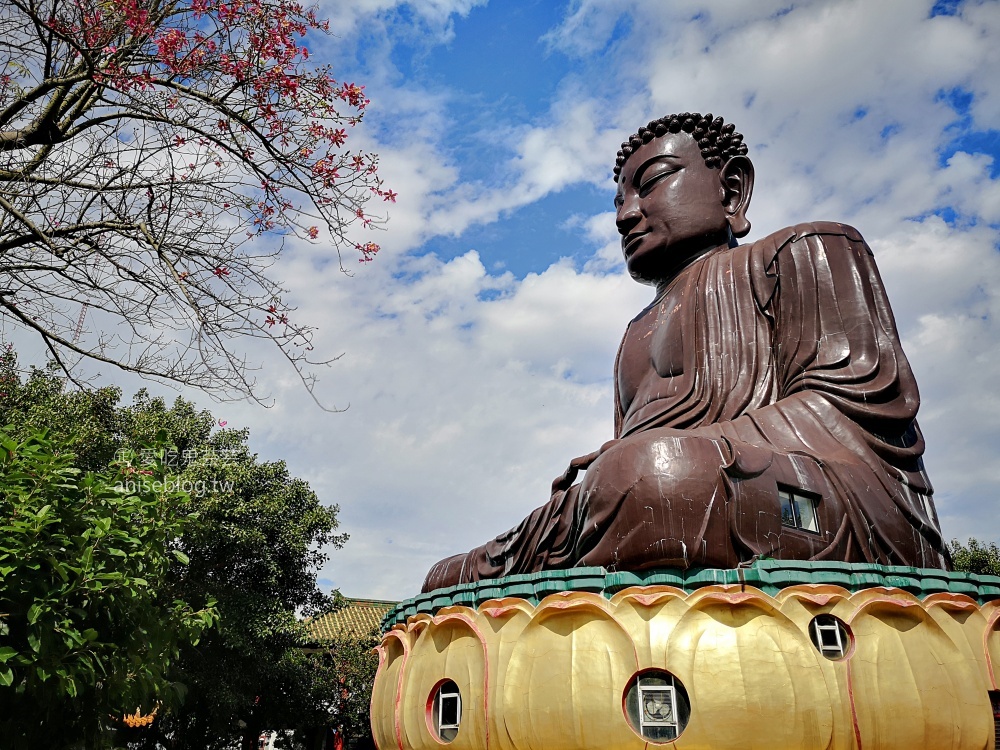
762	368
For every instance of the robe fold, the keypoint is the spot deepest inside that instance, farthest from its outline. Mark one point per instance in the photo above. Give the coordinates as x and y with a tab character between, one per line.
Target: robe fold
792	380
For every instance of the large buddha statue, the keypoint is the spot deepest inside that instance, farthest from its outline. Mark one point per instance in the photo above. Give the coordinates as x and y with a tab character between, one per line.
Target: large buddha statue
764	406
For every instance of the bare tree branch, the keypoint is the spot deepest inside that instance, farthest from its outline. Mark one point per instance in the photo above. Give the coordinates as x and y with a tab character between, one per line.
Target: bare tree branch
145	148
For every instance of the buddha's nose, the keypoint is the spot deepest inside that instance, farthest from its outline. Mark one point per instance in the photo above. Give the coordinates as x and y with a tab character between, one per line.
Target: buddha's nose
628	216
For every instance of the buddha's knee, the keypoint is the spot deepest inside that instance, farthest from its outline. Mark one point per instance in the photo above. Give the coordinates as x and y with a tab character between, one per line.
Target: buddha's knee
656	499
659	465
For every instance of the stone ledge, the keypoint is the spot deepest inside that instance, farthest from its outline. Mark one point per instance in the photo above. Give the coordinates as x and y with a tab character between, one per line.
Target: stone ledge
769	576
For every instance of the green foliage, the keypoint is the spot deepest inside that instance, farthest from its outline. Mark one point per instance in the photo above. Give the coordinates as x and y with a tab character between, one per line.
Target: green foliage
350	665
253	553
343	670
88	418
85	633
978	557
257	553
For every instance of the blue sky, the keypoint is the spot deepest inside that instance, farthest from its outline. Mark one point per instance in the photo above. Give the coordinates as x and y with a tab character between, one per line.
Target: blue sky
499	74
478	347
484	360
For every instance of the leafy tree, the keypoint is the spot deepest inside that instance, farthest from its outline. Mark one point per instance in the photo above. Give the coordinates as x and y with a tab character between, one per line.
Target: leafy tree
343	670
976	557
258	553
85	632
350	664
144	144
255	552
90	418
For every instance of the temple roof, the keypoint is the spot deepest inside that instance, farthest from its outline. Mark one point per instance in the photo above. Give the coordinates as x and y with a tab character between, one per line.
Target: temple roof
357	619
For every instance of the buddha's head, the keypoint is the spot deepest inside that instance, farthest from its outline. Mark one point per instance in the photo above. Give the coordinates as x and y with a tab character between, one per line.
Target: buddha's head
684	185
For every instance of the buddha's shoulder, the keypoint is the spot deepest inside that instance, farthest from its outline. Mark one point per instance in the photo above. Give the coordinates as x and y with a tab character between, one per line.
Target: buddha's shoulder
817	236
828	233
801	245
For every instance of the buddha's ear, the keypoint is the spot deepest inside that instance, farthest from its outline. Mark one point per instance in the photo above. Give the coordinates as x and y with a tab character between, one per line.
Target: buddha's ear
737	182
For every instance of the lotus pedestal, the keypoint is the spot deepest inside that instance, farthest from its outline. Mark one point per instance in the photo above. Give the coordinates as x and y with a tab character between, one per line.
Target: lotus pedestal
795	656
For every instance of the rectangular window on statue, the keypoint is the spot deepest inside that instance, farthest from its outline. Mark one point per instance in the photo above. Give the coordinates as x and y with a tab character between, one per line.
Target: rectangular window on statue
798	511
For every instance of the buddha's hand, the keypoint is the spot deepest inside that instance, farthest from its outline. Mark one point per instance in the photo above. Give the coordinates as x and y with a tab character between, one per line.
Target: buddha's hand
580	463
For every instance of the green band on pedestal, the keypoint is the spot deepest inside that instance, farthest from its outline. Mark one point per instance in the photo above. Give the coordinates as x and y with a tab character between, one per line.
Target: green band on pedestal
770	576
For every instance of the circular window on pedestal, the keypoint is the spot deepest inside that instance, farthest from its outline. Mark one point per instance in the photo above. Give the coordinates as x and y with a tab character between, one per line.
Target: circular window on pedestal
444	710
657	705
831	636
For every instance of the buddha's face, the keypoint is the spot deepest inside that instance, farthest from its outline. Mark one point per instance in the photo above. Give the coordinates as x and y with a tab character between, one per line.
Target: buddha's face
670	207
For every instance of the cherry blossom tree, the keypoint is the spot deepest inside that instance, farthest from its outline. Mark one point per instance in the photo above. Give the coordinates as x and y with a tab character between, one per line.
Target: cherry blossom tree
148	149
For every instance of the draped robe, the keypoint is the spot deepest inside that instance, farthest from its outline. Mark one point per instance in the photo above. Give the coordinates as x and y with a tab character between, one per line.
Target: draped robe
773	366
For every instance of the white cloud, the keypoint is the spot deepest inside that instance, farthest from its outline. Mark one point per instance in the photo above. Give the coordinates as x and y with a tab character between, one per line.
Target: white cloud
839	103
470	390
462	410
350	17
572	146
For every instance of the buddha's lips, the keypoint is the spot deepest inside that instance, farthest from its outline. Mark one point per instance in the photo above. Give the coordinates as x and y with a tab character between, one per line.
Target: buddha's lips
631	240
